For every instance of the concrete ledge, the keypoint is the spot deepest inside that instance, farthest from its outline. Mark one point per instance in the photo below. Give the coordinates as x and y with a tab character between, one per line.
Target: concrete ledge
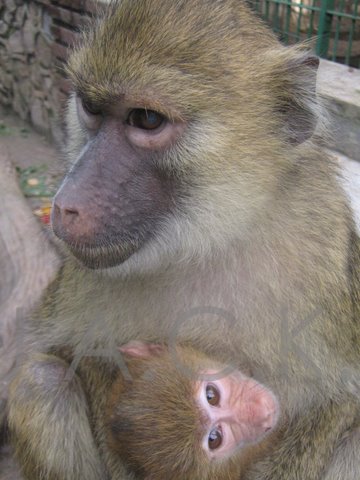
350	179
339	85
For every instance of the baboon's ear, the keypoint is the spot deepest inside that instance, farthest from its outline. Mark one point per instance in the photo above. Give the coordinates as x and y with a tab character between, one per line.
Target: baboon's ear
143	350
297	103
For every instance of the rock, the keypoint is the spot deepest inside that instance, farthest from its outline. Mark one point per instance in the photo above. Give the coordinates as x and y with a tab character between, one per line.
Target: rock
34	13
48	83
39	115
20	16
19	104
8	17
29	73
44	71
5	98
10	5
4	28
19	69
15	44
25	89
28	34
6	80
36	78
43	51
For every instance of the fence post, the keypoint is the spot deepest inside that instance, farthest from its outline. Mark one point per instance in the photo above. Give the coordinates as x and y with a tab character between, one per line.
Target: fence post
324	29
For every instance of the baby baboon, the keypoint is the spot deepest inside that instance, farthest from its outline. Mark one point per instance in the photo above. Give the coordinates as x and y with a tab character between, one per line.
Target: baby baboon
181	418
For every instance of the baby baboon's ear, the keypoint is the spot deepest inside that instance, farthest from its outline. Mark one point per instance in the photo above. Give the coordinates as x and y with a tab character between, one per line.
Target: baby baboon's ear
295	87
142	350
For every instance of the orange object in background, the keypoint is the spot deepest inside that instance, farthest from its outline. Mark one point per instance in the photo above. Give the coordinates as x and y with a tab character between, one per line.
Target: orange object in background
44	214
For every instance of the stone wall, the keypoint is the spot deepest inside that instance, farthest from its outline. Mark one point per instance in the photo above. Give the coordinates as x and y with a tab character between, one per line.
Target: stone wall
34	41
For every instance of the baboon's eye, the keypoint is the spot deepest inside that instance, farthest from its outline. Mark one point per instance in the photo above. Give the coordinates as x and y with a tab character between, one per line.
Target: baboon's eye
145	119
212	395
215	438
90	108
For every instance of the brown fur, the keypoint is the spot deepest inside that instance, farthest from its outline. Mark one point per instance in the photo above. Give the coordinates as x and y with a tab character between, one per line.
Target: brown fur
257	264
147	403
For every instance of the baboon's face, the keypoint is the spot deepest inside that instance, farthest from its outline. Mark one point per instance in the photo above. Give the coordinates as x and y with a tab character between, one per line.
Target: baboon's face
184	117
118	193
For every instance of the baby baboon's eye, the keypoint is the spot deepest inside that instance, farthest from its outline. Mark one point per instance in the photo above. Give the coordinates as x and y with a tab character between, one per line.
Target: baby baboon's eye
212	395
215	438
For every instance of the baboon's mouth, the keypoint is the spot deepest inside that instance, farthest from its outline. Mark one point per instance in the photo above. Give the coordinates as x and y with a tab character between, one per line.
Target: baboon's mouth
103	257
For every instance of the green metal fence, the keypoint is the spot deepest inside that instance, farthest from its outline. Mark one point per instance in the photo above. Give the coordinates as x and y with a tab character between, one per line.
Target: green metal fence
333	24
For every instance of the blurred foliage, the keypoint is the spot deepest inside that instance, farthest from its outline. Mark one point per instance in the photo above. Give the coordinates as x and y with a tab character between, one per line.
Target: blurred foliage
4	129
34	181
